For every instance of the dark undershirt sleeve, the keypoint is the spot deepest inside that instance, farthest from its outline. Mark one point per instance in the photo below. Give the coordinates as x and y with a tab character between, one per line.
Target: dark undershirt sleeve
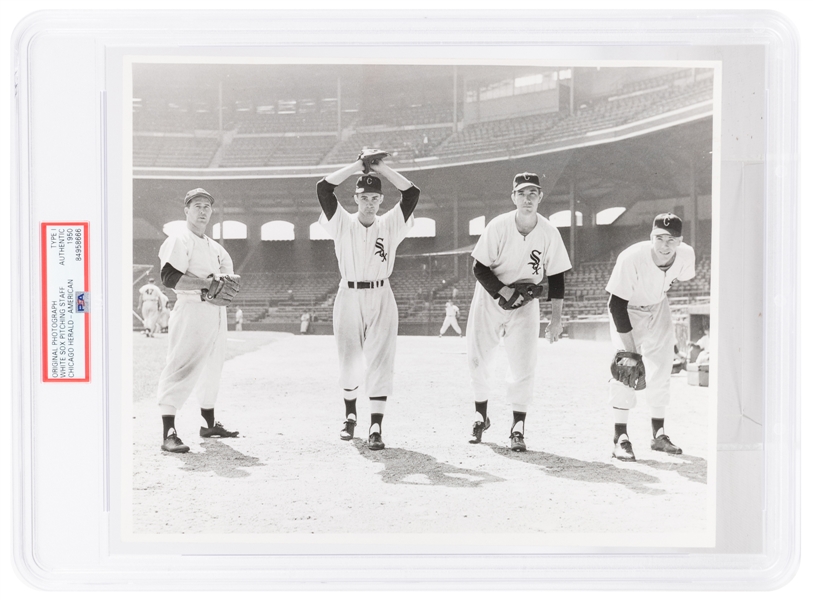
409	200
327	199
556	286
621	317
170	276
487	279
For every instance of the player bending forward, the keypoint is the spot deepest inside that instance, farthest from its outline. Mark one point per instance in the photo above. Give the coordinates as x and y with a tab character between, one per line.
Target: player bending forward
365	317
641	328
512	257
190	263
452	312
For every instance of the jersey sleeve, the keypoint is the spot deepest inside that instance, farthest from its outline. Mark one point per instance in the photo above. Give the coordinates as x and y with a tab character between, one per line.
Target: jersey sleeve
487	248
556	258
397	225
174	252
623	278
226	263
687	272
335	224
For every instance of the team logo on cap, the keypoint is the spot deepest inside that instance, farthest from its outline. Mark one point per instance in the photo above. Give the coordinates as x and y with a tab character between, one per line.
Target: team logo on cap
369	181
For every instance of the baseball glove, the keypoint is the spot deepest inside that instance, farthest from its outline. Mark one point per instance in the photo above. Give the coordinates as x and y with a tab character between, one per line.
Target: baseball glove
222	290
632	376
525	291
370	156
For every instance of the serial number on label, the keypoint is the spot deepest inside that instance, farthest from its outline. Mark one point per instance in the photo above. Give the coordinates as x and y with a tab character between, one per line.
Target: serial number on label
66	302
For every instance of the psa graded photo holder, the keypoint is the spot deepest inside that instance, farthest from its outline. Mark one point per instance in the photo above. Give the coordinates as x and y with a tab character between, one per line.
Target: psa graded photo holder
405	300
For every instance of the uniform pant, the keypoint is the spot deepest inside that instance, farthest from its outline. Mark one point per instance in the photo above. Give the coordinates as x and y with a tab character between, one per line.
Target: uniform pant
196	353
149	311
654	336
365	327
450	321
487	323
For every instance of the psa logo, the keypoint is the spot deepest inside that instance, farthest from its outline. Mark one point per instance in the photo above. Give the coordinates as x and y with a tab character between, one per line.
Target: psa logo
82	302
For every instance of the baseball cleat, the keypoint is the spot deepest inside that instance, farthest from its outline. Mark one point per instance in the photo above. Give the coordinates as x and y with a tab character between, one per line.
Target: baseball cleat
517	442
623	450
348	429
375	442
217	431
478	429
174	444
662	443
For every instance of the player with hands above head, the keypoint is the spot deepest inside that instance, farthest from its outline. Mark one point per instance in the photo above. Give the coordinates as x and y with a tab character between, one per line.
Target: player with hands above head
365	317
513	256
641	328
202	274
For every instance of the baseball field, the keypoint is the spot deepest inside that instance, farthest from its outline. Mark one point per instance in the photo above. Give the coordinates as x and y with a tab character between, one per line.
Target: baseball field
289	473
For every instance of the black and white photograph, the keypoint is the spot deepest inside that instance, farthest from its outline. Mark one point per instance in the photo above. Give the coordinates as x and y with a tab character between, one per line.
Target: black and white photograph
461	304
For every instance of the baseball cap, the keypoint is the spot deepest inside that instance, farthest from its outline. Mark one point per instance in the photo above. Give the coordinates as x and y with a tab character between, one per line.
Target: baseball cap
151	279
668	223
197	193
523	180
368	184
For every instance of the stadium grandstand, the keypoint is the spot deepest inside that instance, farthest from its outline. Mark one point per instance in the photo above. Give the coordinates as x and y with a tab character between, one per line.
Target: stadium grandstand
614	146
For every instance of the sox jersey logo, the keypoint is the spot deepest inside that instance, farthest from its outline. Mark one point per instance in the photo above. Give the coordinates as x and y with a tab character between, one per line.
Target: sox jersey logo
379	249
535	262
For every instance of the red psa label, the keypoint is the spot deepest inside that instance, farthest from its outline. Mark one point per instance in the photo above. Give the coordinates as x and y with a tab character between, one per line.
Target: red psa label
65	302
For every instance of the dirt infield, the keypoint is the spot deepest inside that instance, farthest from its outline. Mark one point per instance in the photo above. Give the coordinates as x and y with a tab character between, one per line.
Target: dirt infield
289	472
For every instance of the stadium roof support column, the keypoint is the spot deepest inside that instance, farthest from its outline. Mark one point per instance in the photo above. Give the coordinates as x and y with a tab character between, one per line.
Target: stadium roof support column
695	222
454	119
572	199
456	228
572	90
222	204
339	107
220	111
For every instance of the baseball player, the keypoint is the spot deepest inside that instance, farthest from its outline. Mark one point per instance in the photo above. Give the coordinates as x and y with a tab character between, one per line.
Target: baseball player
518	247
238	319
149	303
641	323
197	334
452	312
365	317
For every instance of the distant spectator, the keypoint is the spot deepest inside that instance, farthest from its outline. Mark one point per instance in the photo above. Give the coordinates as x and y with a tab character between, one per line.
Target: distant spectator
455	292
304	323
238	319
290	295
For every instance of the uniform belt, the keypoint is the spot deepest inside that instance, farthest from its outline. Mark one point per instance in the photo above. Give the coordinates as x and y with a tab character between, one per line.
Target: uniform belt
366	285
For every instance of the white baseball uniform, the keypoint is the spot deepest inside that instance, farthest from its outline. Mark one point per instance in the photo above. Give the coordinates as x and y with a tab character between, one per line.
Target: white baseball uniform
513	258
150	296
238	320
197	329
452	312
637	279
365	320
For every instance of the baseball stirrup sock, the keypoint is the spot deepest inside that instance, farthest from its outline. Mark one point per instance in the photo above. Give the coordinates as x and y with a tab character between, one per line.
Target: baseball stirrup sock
620	429
519	417
209	415
657	426
481	408
350	408
169	423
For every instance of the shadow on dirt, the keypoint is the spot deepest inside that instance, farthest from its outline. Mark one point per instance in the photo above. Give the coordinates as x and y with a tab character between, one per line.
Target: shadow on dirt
693	468
579	470
220	458
413	468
